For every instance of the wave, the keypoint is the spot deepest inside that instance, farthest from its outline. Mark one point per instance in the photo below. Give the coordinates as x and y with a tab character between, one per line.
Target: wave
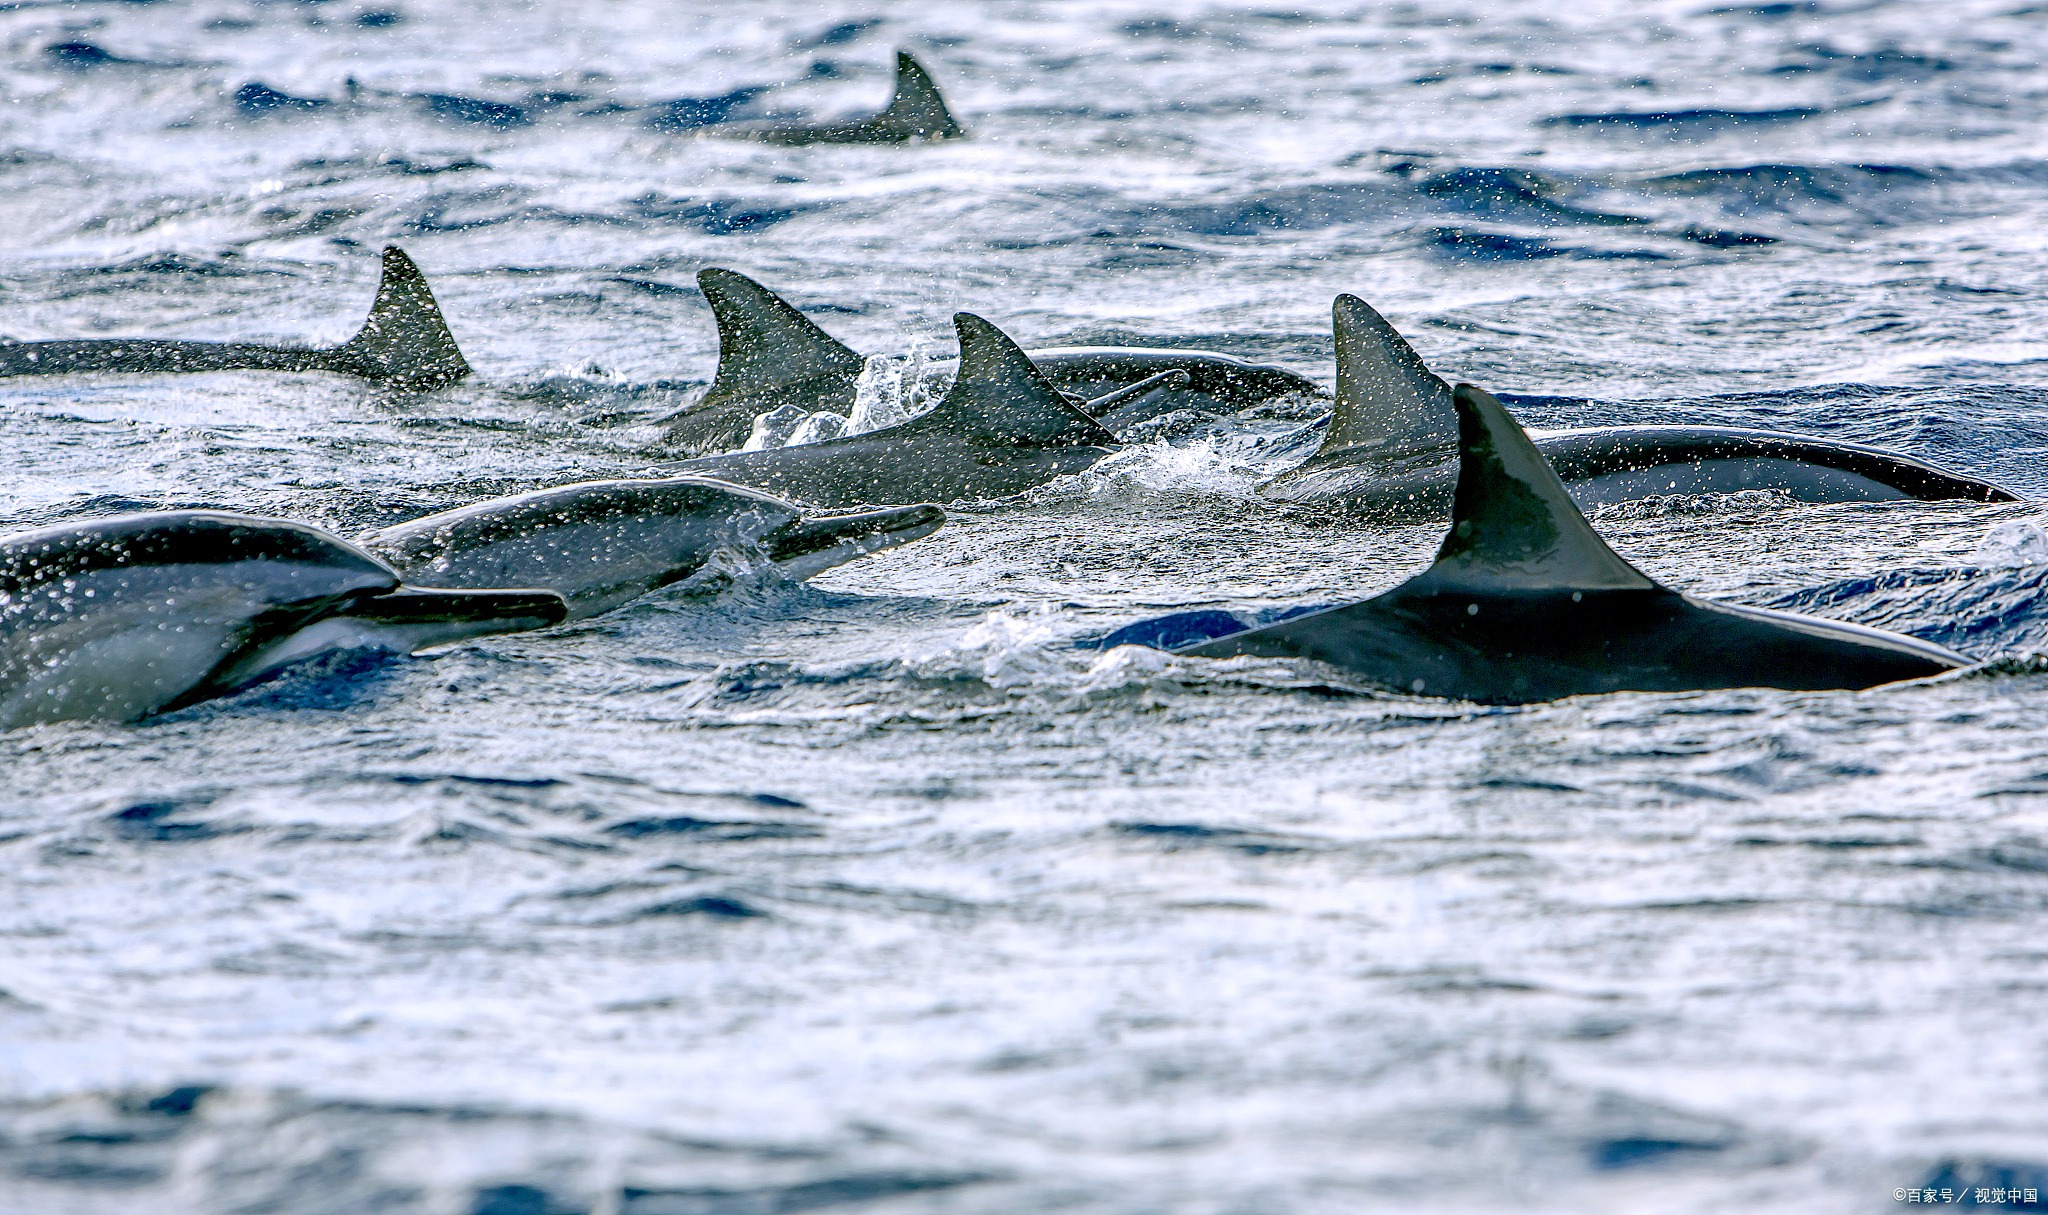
1975	611
1688	121
1478	244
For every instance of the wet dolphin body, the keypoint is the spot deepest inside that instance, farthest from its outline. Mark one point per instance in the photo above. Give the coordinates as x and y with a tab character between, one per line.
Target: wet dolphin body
1527	603
119	618
1391	447
915	112
404	343
1000	430
601	544
771	355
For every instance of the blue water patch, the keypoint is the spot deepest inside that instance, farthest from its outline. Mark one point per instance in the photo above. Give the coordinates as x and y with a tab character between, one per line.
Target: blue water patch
1478	244
2004	1185
256	97
1978	612
1683	118
476	110
689	113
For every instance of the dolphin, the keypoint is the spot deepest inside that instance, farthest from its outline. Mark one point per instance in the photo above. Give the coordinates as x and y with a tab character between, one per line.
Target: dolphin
123	617
1527	603
770	355
915	112
1392	441
404	344
1000	430
600	544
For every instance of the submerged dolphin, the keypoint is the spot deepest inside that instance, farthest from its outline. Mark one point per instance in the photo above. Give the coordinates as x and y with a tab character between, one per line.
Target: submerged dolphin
603	543
916	111
1527	603
770	355
1391	447
119	618
404	343
1217	383
1000	430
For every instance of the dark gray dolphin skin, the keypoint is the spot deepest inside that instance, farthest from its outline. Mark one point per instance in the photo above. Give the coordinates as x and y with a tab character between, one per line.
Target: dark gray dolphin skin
916	112
1217	383
1527	603
118	618
600	544
1392	441
770	355
1000	430
404	344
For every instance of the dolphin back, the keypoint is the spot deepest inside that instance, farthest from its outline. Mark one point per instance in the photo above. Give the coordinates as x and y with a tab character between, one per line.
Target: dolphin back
1001	429
1392	442
405	342
1525	602
598	544
1392	422
1000	398
1513	523
35	559
915	112
769	355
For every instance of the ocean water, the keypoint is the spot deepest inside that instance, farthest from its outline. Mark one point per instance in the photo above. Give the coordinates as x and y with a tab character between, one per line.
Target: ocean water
887	894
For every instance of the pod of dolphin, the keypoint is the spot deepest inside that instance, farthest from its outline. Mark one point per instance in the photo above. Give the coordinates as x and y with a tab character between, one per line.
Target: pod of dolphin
124	617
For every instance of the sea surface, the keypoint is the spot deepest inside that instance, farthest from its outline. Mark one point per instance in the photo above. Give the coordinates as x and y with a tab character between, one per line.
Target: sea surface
888	895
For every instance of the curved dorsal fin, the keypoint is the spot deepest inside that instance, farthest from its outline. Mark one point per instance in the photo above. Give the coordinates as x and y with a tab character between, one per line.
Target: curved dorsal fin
1386	398
765	345
1513	524
404	341
917	110
1001	397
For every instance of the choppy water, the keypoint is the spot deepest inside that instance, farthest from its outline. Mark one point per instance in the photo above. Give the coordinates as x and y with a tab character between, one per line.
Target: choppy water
882	894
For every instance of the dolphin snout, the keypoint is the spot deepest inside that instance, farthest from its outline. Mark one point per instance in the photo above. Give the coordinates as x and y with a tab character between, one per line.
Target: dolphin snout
829	540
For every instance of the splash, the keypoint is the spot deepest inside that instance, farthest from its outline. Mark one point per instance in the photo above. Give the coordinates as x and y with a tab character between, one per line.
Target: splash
2011	545
1672	506
891	391
1205	467
1011	649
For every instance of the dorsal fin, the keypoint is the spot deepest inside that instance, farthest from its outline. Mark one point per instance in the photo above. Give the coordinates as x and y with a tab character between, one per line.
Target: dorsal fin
1000	397
1386	398
917	109
766	347
404	341
1513	524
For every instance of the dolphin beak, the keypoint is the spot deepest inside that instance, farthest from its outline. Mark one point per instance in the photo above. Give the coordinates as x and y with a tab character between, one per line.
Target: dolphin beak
815	543
1134	393
473	613
403	619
